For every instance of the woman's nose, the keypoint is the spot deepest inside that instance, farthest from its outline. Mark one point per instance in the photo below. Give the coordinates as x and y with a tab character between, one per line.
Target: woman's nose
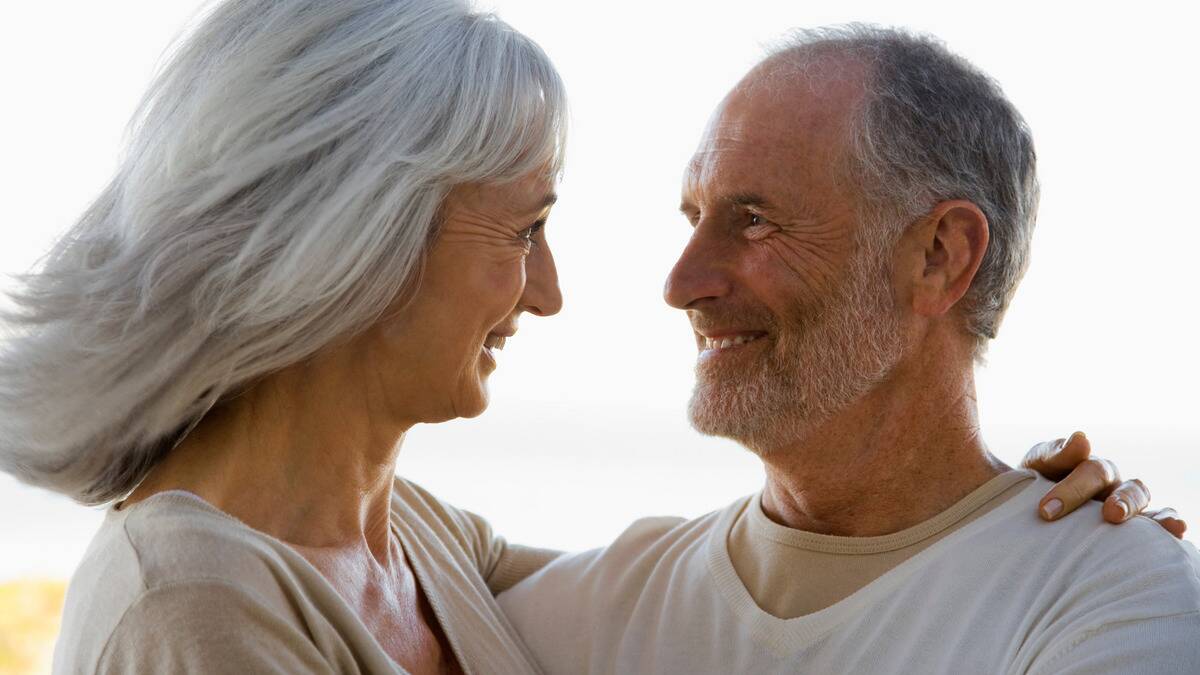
542	295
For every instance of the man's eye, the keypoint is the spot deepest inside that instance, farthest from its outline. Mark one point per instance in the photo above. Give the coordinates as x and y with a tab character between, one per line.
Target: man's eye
758	228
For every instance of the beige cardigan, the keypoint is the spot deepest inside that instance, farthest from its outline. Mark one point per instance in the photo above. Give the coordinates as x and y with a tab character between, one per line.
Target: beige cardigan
173	585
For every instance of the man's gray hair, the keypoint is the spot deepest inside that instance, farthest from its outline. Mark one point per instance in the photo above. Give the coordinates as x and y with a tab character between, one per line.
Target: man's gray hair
934	127
279	189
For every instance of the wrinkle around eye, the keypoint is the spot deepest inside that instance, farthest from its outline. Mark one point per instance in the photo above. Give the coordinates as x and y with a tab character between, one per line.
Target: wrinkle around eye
479	236
760	231
805	257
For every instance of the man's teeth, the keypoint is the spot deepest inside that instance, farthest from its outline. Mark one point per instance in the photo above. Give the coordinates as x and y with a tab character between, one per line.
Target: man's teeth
728	341
494	342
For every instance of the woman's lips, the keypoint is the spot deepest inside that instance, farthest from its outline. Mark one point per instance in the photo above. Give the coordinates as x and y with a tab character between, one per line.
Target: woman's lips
493	343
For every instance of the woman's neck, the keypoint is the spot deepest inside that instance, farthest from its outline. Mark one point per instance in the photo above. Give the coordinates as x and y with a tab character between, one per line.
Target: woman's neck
311	466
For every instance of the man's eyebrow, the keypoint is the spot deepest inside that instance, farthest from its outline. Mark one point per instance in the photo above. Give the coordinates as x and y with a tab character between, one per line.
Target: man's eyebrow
744	199
740	199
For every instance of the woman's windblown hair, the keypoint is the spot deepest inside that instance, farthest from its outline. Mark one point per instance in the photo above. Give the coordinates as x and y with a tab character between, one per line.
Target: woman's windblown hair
280	185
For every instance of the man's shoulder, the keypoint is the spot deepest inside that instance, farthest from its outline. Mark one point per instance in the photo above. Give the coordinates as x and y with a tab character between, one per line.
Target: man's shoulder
1084	539
648	547
1137	560
1079	563
575	609
1127	592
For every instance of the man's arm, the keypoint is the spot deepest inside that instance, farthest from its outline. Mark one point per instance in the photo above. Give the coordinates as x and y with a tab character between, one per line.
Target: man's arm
1163	645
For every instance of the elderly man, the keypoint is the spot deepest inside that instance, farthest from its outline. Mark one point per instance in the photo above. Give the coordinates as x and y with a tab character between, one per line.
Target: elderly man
862	206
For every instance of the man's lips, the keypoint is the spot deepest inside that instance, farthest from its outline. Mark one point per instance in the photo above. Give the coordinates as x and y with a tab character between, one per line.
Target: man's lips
726	339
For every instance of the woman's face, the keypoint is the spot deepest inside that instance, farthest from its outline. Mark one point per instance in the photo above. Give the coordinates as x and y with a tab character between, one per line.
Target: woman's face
489	263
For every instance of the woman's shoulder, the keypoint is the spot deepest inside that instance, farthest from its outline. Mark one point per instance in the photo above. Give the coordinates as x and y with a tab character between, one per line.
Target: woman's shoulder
176	537
171	545
417	509
461	536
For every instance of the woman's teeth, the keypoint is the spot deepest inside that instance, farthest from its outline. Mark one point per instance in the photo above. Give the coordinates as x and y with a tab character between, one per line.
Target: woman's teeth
729	340
494	342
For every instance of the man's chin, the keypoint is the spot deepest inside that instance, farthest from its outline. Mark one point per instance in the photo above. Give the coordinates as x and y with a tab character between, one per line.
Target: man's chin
726	412
748	412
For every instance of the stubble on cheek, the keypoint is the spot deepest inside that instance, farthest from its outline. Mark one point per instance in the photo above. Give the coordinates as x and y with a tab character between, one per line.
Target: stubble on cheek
823	358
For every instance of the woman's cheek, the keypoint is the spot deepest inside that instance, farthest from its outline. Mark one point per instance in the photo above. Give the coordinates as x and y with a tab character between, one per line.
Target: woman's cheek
507	282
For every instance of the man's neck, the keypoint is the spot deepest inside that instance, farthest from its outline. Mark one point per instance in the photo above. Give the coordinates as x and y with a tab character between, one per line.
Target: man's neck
902	454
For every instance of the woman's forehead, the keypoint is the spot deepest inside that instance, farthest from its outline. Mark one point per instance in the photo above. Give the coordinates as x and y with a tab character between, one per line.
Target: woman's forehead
528	195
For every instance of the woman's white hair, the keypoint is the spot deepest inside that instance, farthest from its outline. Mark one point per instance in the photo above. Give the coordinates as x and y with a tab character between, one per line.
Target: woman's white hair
281	183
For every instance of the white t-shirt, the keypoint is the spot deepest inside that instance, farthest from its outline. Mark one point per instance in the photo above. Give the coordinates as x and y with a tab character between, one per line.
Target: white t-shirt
1006	593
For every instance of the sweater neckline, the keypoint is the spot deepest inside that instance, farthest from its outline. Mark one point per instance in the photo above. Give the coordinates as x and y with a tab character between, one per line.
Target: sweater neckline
762	526
787	636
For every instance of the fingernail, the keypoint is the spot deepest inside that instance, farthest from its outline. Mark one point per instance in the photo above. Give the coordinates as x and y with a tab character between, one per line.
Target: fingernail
1124	508
1052	508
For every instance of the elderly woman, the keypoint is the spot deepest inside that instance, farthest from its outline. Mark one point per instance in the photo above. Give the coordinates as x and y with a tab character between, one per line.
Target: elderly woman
329	216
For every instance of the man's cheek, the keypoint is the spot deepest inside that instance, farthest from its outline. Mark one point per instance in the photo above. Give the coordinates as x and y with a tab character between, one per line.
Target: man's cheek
795	265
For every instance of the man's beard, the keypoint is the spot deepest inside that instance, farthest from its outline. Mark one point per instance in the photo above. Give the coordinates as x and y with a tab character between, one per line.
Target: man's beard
823	359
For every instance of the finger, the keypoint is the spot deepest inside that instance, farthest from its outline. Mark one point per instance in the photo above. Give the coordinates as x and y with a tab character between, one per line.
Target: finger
1086	480
1169	520
1056	459
1126	501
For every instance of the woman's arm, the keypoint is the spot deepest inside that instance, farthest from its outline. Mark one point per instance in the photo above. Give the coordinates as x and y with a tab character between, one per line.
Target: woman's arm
1082	477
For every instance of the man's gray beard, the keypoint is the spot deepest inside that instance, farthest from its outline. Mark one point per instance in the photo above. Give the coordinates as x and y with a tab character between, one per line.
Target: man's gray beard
819	366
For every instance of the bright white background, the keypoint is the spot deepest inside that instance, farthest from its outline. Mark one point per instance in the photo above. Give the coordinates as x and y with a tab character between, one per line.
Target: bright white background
587	429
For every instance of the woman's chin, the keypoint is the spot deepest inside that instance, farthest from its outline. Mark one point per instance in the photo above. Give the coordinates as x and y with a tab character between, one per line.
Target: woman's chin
474	404
473	412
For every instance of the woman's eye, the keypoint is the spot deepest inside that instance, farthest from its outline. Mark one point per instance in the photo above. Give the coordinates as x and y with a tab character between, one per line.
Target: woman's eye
756	219
527	235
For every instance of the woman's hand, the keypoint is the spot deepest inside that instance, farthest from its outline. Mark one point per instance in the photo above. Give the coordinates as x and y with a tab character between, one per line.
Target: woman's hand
1082	477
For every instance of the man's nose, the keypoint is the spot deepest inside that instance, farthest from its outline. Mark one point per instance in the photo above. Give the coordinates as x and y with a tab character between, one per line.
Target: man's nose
542	295
700	273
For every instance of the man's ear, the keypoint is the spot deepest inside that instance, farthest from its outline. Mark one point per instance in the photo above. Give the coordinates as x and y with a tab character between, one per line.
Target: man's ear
952	239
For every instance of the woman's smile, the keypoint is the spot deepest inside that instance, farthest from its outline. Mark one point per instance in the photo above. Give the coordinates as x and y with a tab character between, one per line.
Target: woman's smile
493	343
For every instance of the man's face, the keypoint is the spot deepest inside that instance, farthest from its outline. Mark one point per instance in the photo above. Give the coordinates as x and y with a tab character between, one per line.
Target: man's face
794	320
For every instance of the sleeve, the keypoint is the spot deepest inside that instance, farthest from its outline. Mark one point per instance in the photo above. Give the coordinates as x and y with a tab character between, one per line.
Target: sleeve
502	564
206	627
1166	645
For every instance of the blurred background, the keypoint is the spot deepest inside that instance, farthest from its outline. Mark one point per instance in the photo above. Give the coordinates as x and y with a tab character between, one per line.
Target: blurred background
587	429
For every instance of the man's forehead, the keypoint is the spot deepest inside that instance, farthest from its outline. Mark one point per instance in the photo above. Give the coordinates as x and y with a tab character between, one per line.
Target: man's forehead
773	127
744	150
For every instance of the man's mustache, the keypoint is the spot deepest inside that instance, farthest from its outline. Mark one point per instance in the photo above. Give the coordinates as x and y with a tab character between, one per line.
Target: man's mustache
711	321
